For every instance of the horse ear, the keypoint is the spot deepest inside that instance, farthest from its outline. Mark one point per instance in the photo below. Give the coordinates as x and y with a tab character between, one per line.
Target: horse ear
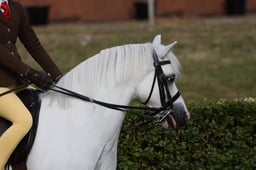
168	48
157	40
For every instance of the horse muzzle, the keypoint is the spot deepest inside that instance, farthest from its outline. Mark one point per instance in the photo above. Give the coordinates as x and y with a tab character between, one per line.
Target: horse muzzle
177	117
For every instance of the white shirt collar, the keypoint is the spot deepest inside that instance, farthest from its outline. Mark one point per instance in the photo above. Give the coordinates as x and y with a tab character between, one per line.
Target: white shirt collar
1	1
4	1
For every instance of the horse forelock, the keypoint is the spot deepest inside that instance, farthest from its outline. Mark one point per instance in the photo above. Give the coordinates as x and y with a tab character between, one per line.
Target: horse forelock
175	63
165	52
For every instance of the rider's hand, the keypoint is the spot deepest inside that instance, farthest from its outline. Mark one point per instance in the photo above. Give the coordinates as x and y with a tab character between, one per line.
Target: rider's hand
39	78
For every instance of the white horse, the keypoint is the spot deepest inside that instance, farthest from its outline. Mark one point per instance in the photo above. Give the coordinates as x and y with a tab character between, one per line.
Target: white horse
78	135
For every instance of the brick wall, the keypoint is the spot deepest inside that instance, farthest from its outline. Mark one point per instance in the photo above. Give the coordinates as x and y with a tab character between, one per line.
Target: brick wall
106	9
251	5
100	10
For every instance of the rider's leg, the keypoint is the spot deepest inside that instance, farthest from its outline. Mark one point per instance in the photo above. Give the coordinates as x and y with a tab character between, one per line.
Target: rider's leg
12	109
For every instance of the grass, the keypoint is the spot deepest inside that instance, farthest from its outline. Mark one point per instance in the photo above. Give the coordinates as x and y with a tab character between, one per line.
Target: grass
218	54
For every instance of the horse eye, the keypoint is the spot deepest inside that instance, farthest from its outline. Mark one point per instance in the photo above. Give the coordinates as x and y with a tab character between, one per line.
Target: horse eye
171	78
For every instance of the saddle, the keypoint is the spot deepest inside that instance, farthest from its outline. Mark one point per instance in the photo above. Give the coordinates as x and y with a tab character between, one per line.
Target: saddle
31	100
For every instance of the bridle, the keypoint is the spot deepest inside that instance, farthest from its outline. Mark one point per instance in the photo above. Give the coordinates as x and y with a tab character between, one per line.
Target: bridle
153	114
165	97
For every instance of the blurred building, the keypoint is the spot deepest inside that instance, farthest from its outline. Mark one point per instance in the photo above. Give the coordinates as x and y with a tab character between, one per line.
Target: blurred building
106	10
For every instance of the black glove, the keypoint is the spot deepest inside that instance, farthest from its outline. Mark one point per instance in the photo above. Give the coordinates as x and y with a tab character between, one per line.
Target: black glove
39	78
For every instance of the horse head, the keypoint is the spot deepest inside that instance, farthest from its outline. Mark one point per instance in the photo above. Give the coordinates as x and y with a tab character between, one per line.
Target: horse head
158	88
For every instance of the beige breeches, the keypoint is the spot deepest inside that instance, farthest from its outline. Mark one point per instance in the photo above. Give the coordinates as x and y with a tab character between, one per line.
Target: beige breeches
12	109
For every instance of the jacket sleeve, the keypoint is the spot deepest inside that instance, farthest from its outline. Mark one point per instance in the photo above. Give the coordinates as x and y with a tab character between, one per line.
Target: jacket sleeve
31	42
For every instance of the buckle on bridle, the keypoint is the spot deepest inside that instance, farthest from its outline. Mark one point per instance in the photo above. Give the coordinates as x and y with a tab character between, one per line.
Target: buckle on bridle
162	115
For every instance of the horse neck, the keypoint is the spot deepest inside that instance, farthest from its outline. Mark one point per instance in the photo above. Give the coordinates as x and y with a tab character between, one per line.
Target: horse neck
113	72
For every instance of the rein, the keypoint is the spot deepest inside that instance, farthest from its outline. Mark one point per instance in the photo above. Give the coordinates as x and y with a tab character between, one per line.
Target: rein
150	115
153	114
151	110
15	89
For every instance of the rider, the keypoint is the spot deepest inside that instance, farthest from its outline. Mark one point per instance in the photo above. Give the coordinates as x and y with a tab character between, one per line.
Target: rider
13	25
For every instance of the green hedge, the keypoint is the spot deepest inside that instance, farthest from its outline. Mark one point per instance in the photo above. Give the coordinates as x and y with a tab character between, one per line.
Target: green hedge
220	135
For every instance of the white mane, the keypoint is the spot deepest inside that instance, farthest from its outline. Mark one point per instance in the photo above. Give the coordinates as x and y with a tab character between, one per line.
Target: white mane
110	66
176	66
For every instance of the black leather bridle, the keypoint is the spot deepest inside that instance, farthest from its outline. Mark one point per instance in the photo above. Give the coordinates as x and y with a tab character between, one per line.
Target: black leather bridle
155	114
163	81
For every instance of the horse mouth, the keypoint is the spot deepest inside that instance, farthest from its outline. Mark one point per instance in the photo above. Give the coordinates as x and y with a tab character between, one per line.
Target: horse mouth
173	121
